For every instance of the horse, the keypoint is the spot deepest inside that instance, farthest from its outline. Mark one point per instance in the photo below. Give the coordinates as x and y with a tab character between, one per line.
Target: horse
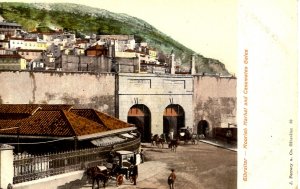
98	173
154	139
160	142
173	144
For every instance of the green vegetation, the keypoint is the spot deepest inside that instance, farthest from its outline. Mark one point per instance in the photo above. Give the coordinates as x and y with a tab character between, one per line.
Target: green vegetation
87	20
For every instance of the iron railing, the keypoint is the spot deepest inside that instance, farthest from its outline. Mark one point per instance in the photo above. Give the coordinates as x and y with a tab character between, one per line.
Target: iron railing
32	167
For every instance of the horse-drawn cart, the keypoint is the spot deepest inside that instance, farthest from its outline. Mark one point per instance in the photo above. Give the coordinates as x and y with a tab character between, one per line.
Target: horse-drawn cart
121	165
186	136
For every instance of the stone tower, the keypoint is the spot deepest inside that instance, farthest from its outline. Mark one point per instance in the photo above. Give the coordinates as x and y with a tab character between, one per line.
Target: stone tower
193	66
172	62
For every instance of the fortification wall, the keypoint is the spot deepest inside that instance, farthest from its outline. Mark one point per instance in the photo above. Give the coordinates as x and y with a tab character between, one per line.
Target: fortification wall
214	101
83	90
203	98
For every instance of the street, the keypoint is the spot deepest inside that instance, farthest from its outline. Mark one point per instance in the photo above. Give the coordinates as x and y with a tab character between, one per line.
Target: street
199	166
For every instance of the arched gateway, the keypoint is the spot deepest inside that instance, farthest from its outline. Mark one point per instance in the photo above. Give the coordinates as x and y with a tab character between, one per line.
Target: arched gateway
203	128
140	115
174	119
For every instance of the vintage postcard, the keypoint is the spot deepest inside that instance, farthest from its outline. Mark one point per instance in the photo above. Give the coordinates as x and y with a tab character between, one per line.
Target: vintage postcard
148	94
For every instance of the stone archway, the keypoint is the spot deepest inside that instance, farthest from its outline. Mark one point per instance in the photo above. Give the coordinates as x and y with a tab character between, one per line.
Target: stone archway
203	128
140	115
173	119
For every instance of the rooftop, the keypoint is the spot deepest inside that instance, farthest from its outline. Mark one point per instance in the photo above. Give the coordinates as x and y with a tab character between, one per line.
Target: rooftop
42	120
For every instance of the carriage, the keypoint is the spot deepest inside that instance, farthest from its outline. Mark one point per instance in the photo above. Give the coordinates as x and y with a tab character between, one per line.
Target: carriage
187	136
121	164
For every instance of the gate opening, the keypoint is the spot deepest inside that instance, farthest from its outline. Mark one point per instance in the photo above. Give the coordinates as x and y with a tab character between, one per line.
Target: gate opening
203	128
140	115
173	120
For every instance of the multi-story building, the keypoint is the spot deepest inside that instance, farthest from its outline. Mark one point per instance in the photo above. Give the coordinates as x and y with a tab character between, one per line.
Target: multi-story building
15	43
12	62
34	44
4	43
10	29
97	50
30	54
119	42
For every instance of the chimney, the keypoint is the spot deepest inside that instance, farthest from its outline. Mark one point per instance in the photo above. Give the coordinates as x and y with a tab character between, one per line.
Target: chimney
193	68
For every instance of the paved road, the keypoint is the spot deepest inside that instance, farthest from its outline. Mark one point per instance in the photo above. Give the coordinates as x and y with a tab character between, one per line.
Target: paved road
200	166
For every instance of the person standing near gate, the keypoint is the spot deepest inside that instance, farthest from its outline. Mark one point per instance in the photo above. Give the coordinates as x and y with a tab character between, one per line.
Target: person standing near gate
134	173
228	136
171	179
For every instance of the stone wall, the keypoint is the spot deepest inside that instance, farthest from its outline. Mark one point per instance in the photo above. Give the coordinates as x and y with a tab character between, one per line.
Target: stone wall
84	90
127	65
209	98
66	180
214	101
156	92
86	63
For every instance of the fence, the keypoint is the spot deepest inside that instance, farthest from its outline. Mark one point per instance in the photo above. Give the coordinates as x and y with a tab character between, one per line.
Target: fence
29	167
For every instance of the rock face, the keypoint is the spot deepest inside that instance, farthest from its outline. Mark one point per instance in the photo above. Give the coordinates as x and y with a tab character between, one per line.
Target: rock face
87	20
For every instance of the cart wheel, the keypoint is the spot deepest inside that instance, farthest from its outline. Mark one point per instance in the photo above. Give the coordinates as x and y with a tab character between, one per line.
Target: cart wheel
119	180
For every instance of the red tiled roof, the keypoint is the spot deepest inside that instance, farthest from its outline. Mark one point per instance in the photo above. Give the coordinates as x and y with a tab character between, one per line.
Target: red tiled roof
19	108
111	122
108	121
87	113
56	106
57	123
83	126
55	120
42	123
31	108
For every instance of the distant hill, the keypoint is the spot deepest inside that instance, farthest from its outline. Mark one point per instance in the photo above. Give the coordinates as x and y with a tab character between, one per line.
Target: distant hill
87	20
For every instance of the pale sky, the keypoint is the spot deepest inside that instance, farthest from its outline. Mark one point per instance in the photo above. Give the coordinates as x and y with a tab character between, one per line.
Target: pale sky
208	27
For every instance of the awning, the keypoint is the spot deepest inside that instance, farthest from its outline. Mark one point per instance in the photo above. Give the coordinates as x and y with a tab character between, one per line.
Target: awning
107	141
127	135
105	133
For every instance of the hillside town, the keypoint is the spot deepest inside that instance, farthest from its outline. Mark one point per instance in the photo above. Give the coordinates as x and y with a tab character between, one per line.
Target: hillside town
62	51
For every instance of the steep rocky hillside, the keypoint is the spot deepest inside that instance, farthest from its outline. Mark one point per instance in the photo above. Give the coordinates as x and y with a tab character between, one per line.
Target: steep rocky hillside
87	20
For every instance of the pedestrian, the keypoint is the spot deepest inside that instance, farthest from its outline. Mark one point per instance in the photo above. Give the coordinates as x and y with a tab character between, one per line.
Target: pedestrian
171	134
134	173
171	179
228	135
9	186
